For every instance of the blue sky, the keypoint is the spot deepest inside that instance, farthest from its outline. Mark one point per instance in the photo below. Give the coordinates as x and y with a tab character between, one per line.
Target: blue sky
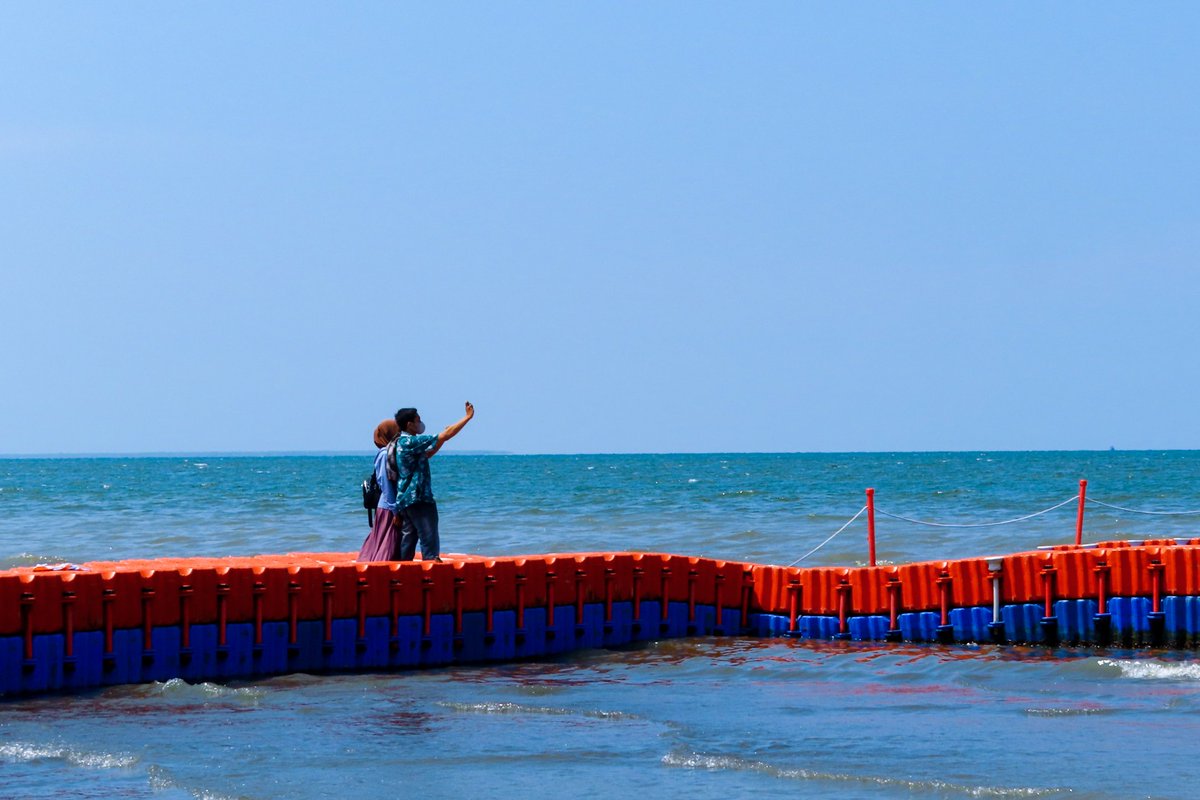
613	227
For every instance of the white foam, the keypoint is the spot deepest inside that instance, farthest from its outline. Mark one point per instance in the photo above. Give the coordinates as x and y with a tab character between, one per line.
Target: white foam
178	687
161	780
517	708
724	762
1153	670
23	752
699	761
1067	712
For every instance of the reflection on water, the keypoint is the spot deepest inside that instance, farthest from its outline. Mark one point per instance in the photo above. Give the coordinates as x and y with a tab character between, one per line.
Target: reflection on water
715	718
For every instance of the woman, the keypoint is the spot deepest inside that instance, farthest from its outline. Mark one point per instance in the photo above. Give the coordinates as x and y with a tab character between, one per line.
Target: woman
381	541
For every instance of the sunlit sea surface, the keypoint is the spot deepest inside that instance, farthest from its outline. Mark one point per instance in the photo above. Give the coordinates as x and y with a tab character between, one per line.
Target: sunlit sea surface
704	718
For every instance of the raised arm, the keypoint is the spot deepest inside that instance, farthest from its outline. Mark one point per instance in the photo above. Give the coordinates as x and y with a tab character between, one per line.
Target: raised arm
452	430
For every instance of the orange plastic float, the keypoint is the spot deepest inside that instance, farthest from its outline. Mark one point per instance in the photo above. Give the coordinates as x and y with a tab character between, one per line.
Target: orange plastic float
76	627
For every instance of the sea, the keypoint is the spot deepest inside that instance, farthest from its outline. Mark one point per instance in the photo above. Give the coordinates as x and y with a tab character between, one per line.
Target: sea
713	717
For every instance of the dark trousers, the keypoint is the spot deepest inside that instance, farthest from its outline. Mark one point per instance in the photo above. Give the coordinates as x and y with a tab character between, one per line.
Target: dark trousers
419	521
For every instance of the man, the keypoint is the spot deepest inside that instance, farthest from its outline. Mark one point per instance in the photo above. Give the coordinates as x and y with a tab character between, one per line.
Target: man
414	494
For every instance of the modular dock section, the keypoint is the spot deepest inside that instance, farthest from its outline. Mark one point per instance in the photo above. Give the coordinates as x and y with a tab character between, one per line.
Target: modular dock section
70	628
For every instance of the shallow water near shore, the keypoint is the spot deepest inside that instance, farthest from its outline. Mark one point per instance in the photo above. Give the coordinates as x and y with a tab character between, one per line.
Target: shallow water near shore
718	717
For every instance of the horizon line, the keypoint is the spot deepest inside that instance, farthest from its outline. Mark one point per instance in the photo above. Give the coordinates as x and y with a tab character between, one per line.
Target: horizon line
186	454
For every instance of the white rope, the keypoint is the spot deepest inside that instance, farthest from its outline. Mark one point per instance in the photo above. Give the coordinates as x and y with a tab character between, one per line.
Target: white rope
1139	511
830	539
978	524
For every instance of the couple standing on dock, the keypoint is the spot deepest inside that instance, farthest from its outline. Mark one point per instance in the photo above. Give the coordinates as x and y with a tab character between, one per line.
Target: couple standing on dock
406	512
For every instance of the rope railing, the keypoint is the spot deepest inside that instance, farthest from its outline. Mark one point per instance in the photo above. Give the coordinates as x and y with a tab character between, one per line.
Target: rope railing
830	539
870	509
1141	511
977	524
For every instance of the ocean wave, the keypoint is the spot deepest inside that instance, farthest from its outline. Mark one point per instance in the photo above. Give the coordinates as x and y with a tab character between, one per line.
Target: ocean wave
517	708
747	535
1152	670
24	752
719	763
179	689
28	560
161	780
1068	712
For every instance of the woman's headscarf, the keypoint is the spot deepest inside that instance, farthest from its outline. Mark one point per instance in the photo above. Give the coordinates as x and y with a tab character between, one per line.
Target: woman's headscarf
385	432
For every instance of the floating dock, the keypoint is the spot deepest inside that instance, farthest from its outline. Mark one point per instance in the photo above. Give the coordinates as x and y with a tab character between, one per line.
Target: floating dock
70	628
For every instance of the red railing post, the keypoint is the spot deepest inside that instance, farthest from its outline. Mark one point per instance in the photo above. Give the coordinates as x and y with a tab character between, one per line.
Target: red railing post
1048	571
106	600
747	586
637	593
185	616
27	625
893	606
666	593
68	607
293	613
1101	588
580	577
427	605
551	578
943	583
222	615
692	575
793	605
327	595
394	596
871	525
459	582
147	619
609	576
259	588
1079	518
521	602
361	608
1156	571
489	585
843	589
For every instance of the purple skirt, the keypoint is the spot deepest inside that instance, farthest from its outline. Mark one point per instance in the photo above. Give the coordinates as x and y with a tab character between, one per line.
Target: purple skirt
383	541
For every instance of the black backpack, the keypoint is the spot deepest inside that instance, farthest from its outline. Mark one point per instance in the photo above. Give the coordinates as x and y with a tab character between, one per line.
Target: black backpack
372	491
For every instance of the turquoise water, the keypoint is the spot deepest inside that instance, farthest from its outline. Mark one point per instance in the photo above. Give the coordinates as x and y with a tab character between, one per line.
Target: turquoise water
707	718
